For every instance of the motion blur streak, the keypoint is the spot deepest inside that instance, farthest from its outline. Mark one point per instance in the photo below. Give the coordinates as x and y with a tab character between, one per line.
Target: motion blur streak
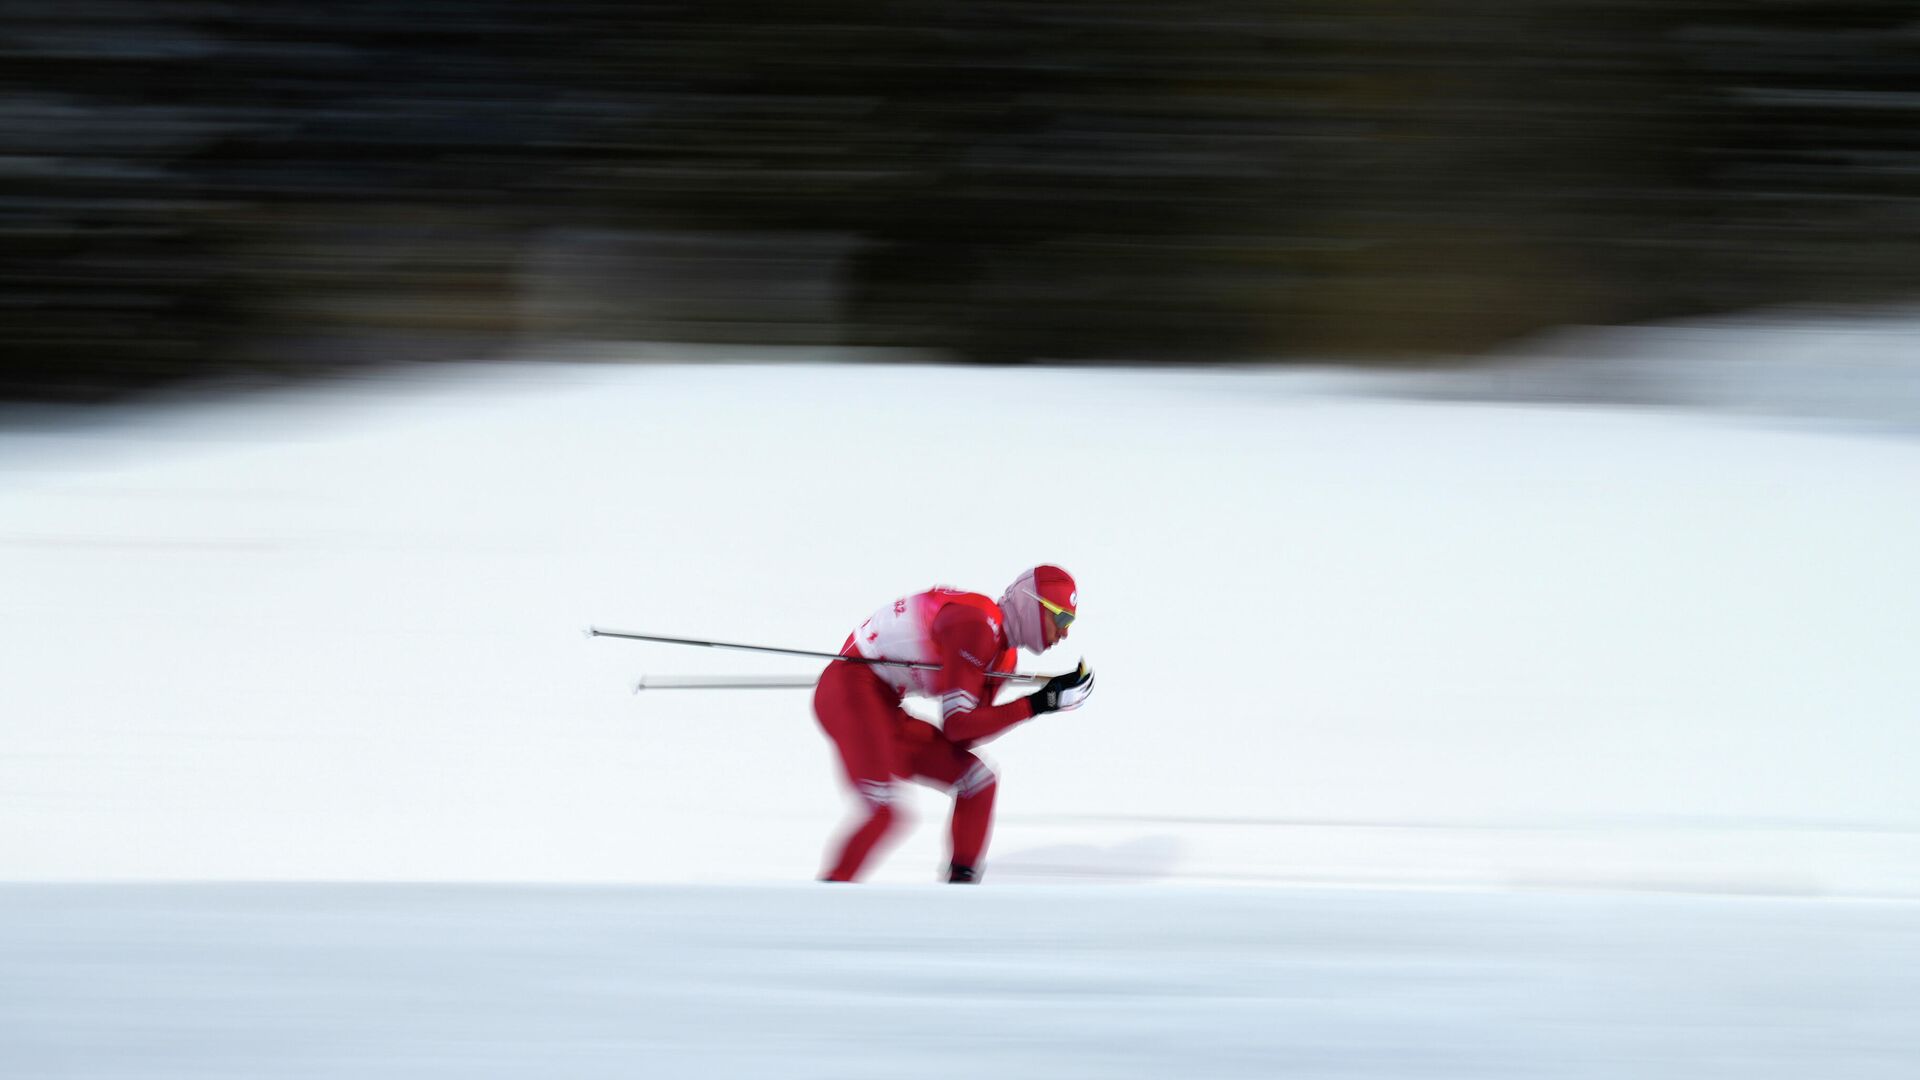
429	982
208	188
1485	435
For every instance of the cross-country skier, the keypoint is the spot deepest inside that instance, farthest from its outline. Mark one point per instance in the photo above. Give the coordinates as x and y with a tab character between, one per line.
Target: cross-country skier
967	635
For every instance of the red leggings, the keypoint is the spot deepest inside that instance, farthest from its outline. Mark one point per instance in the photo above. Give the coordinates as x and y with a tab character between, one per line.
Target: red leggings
879	743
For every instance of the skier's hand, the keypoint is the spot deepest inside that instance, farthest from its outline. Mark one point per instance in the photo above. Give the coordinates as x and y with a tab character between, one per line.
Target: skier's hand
1063	692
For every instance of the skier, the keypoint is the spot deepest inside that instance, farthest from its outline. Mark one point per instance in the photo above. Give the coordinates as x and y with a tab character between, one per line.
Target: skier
968	636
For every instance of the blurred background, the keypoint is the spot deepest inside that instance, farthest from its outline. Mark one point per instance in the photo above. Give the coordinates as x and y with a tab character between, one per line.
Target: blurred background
192	188
1483	433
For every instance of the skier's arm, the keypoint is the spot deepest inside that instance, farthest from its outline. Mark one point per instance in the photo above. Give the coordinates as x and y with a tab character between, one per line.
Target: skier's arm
967	644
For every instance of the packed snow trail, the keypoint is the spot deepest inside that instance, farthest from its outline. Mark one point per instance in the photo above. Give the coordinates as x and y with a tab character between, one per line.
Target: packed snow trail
1051	983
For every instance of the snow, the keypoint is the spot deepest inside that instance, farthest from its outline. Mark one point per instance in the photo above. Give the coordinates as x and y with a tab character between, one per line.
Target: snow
1859	367
1433	736
213	981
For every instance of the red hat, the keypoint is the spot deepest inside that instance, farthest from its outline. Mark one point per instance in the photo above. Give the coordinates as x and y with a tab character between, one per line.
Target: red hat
1039	607
1056	588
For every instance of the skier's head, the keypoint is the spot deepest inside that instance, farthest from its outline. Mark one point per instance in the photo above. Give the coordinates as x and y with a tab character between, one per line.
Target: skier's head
1039	607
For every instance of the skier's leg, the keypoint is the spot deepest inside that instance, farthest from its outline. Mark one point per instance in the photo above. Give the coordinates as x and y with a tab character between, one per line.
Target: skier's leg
856	711
973	784
860	843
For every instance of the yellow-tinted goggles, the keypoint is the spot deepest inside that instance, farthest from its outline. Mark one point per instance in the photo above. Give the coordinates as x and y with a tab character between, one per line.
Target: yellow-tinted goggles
1062	618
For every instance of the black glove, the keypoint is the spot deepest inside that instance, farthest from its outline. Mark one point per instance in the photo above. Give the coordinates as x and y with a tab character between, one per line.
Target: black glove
1063	692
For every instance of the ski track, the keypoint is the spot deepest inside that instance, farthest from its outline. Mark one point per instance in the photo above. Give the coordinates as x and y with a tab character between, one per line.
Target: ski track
880	981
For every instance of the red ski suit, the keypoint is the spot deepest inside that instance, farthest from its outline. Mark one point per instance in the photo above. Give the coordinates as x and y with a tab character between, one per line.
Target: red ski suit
858	706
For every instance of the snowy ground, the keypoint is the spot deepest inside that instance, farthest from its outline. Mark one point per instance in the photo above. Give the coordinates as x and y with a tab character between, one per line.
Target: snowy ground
1622	698
880	982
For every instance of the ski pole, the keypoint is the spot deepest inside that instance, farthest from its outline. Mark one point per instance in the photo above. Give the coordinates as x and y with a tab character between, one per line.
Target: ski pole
725	682
594	631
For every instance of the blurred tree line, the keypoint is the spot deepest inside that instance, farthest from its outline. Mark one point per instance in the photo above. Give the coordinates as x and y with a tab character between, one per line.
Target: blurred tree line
196	186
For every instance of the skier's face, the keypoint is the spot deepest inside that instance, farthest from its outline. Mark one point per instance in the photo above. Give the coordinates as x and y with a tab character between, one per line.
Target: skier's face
1055	622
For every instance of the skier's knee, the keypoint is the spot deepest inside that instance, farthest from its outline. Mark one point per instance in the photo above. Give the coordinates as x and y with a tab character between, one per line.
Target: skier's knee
877	794
978	778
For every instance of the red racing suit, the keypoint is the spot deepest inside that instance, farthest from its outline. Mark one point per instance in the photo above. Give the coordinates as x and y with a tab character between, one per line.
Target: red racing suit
858	706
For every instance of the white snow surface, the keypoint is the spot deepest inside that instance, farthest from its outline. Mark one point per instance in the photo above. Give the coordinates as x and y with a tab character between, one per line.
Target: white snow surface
1544	739
336	634
886	981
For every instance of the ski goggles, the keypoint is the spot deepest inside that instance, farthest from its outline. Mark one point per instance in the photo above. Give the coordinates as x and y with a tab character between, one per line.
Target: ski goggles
1062	618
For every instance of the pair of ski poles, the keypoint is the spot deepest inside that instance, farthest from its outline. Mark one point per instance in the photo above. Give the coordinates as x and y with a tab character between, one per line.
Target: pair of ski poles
765	682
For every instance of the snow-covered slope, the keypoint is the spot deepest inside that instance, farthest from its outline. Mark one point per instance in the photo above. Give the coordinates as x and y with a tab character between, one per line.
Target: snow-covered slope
335	634
1852	367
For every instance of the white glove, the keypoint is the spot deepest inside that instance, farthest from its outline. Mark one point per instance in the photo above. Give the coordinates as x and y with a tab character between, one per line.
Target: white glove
1064	692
